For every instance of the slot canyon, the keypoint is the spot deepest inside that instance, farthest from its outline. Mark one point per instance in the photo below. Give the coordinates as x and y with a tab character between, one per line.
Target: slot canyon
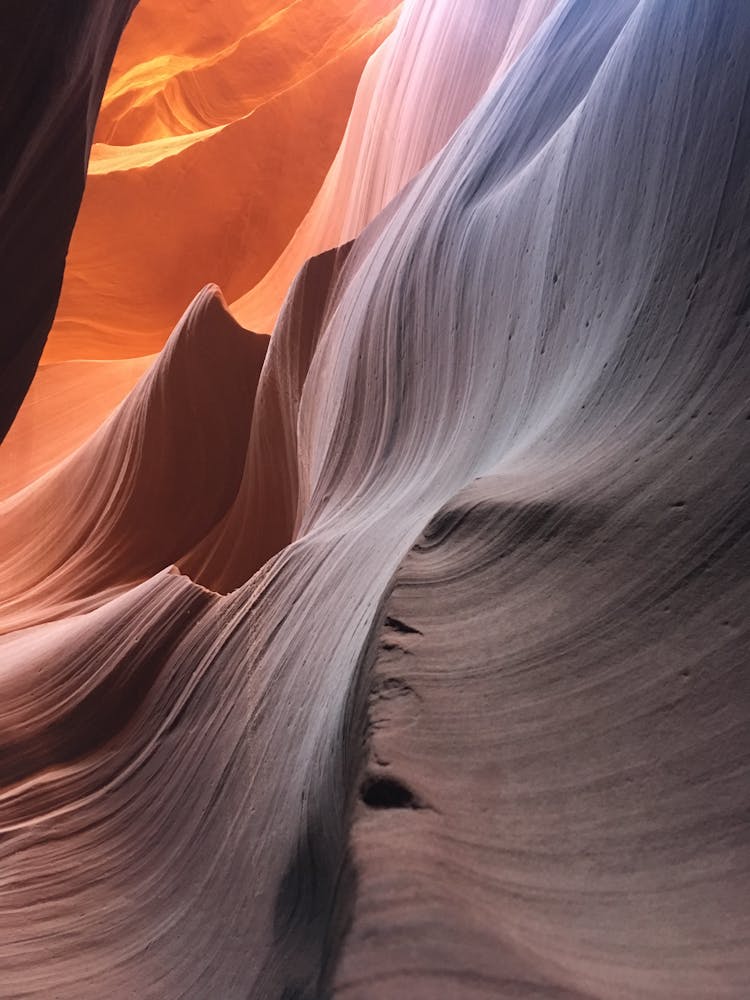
375	500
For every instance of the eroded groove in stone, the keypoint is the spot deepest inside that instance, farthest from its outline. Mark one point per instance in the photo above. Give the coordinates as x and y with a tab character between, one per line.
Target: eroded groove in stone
401	655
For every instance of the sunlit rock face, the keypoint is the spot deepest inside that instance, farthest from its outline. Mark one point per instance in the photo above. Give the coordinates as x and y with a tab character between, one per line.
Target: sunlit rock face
218	124
400	654
208	151
452	52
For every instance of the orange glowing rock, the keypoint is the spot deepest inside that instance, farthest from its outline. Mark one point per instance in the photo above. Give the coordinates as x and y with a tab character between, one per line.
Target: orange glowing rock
215	133
206	159
402	654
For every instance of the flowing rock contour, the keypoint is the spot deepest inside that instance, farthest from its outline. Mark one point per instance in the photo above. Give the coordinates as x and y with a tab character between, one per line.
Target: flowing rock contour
404	655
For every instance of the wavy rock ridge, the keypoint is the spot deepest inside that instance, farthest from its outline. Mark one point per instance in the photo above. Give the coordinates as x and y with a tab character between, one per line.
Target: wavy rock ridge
233	92
447	697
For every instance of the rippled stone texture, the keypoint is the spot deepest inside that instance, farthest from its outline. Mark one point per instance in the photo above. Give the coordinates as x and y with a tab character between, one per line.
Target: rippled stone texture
404	655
